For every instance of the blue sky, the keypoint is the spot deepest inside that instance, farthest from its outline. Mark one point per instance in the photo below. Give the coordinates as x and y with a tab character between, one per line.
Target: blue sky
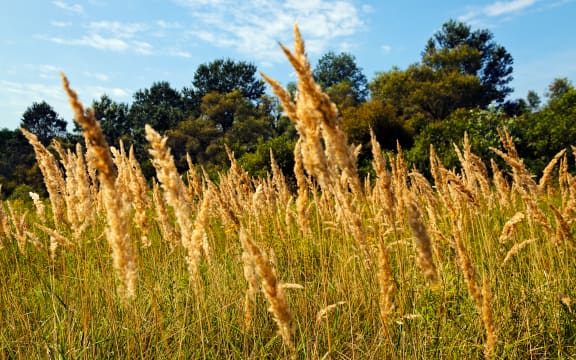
118	47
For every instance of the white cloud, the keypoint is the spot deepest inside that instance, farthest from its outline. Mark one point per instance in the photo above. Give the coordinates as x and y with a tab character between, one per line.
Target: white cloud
60	24
179	53
168	24
497	9
502	8
18	96
31	90
97	76
125	37
95	92
254	28
386	49
116	28
107	43
77	8
95	41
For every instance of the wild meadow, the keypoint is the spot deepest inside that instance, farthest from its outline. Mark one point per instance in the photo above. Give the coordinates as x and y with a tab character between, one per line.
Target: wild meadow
474	262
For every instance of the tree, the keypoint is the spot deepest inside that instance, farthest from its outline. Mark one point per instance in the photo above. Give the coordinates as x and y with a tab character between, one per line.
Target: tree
161	106
335	69
227	119
382	118
41	120
533	100
113	119
476	53
18	165
481	126
558	88
224	76
422	95
547	131
225	108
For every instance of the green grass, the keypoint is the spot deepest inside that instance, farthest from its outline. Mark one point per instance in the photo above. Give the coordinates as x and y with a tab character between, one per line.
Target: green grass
69	308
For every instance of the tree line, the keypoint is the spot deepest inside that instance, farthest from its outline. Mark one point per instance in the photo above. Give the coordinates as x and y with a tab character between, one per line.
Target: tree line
461	83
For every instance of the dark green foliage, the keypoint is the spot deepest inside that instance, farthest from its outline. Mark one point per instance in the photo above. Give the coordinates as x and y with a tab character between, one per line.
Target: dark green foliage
481	126
257	163
460	69
113	118
334	70
460	84
533	100
389	128
21	192
558	87
422	94
41	120
161	107
472	53
544	133
227	119
18	164
224	76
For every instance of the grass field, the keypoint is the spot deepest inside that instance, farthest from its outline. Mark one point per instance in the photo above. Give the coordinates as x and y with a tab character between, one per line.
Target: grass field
477	263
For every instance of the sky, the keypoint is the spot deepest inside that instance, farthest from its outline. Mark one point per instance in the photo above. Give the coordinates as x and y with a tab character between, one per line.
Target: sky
119	47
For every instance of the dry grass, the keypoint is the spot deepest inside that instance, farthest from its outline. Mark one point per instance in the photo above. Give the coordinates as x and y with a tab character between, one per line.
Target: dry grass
333	264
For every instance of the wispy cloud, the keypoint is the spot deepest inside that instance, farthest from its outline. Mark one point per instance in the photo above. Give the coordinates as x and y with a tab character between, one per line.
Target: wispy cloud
34	90
179	53
60	24
502	8
117	28
126	37
76	8
168	24
497	9
96	92
107	43
254	28
18	96
97	76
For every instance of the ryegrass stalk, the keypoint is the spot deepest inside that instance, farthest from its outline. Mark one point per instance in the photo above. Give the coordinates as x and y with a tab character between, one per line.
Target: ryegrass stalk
279	306
547	173
39	205
510	226
19	227
174	193
491	337
52	176
316	119
4	223
516	249
323	313
563	232
168	232
422	241
465	263
386	284
123	255
140	201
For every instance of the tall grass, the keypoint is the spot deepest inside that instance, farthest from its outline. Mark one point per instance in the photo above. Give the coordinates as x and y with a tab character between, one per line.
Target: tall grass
476	264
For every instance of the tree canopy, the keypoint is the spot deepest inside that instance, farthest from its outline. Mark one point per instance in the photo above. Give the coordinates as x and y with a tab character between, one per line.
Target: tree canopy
457	47
335	70
460	83
225	75
41	120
